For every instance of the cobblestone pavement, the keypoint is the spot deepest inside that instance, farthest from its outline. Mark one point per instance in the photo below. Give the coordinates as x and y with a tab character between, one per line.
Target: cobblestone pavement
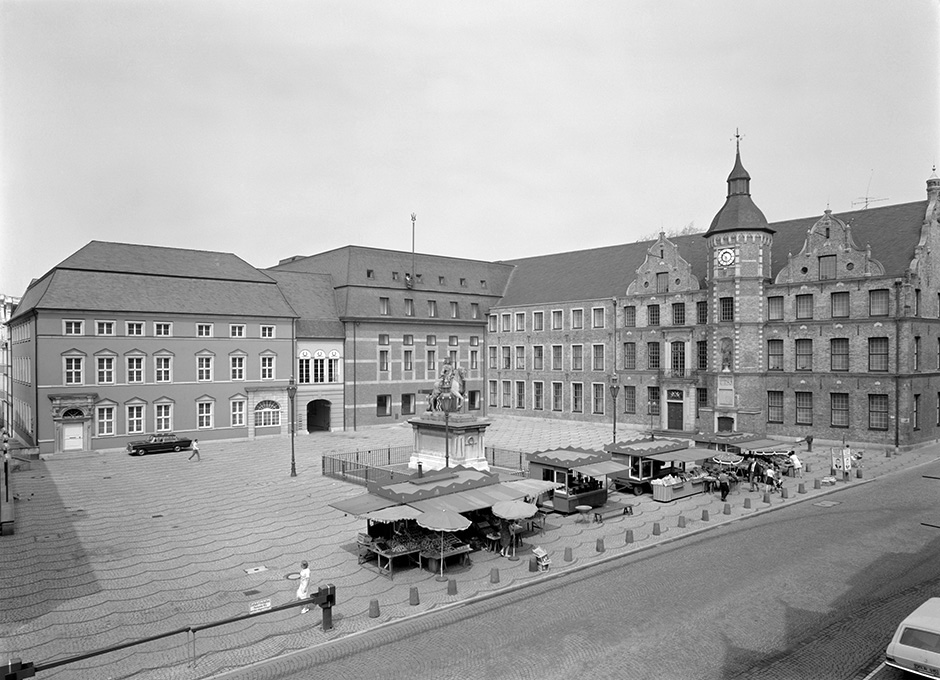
111	548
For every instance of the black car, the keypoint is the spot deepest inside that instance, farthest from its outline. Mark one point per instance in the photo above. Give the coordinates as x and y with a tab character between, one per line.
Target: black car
158	443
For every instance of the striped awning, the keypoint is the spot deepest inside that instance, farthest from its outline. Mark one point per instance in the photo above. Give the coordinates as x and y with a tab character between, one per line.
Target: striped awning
532	487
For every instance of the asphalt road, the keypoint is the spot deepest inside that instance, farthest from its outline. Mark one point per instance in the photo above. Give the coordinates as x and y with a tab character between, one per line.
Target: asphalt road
803	592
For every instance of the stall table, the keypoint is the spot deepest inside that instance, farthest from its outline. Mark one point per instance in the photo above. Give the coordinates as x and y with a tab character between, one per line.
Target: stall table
385	557
433	557
670	492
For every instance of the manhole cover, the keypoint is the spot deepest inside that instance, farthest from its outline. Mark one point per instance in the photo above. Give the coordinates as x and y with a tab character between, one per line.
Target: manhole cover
293	577
255	570
826	504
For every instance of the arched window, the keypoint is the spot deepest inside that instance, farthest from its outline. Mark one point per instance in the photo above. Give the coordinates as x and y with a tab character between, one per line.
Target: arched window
267	413
74	413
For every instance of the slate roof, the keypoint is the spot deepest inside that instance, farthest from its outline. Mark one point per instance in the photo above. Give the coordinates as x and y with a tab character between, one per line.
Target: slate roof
311	296
893	232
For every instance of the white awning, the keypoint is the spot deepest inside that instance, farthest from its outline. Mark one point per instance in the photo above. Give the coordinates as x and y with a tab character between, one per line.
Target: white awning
601	469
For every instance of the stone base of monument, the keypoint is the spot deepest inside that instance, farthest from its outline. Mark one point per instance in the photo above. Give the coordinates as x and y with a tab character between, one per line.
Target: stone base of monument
448	440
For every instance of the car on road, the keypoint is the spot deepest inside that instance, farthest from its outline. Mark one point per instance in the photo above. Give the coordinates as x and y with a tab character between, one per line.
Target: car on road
915	647
159	443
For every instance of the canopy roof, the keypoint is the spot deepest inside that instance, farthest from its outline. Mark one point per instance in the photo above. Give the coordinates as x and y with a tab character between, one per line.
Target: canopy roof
683	455
568	458
607	467
362	504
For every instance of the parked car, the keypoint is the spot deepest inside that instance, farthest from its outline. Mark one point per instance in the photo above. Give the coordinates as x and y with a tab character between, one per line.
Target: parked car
158	443
915	646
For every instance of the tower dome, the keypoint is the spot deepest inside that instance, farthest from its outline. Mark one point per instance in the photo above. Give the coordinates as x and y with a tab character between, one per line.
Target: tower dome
739	212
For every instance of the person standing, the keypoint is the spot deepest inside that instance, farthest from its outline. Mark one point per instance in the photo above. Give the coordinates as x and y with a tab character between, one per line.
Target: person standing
195	451
770	479
303	585
724	485
753	474
797	465
505	538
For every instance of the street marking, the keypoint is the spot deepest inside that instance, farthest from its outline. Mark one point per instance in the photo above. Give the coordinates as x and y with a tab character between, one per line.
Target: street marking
255	570
874	672
827	504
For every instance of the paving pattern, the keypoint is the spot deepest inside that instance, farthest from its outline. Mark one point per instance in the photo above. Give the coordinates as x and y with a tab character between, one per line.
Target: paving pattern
111	548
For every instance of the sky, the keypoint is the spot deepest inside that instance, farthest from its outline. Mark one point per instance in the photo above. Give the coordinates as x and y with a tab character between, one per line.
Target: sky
511	128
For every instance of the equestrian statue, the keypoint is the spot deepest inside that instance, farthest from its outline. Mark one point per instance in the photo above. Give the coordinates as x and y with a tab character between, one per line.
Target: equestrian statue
452	382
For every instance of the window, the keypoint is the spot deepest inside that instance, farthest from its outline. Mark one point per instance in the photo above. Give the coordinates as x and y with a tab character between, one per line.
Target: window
577	358
701	351
677	358
653	401
577	398
662	282
878	411
701	313
557	396
409	307
384	306
915	416
629	356
538	396
916	356
538	321
598	398
917	302
267	368
878	302
652	315
408	340
441	280
556	358
431	363
463	282
804	408
267	414
629	399
839	354
804	355
652	355
474	310
204	415
804	306
135	369
74	328
520	394
319	371
135	327
203	330
432	312
775	308
520	358
454	310
267	331
878	355
827	266
839	305
135	419
520	321
701	400
164	417
505	320
839	409
597	363
383	338
407	404
491	323
370	273
774	406
474	359
163	369
678	314
507	358
726	309
507	394
493	358
598	317
538	356
105	420
556	320
577	318
407	360
629	316
105	370
431	340
104	328
493	392
775	355
163	329
303	371
236	330
237	368
204	368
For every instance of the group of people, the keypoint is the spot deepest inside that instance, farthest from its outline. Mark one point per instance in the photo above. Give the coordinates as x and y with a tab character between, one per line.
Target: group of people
769	474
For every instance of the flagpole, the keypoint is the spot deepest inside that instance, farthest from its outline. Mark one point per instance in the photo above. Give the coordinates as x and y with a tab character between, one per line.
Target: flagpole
414	275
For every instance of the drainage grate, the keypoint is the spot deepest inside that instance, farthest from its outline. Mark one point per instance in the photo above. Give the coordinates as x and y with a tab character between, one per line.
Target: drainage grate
255	570
827	504
155	516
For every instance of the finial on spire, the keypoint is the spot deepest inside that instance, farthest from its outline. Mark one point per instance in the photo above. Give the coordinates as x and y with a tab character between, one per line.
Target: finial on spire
737	139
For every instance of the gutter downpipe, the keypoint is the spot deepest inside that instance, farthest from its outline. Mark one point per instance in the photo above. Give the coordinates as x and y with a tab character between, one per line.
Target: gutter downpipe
897	366
355	383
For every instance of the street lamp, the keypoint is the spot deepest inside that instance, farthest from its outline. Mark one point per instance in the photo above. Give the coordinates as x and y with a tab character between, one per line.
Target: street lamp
291	393
447	405
614	386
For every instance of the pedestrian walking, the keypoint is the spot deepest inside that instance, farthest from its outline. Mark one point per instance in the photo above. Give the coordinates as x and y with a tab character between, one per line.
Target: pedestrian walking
195	451
797	465
724	485
304	584
769	477
754	474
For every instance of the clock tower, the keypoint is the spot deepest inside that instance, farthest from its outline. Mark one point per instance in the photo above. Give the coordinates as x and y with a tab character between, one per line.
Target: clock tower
739	245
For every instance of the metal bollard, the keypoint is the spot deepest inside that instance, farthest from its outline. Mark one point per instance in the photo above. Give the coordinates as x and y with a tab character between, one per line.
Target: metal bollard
681	522
599	547
704	515
656	529
568	555
452	587
747	503
373	609
413	598
494	575
628	536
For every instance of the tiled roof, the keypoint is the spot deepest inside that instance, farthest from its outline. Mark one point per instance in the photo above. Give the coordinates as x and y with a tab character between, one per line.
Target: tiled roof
105	256
893	232
312	298
105	291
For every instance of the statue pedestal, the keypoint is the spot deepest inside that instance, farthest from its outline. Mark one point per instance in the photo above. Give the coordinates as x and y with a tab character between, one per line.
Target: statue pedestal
448	439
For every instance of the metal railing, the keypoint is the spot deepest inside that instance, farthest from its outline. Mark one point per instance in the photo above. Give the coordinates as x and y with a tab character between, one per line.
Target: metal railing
369	465
507	458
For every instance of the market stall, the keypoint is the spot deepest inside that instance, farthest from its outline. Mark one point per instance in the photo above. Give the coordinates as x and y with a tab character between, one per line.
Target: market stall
581	473
667	468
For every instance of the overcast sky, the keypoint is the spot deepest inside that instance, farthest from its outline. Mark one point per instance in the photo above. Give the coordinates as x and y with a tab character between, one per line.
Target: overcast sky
275	128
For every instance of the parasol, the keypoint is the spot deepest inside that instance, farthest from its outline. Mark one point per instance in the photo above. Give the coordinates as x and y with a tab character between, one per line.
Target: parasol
392	514
513	510
442	520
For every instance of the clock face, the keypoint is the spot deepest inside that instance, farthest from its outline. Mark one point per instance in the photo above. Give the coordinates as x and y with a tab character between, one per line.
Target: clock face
725	257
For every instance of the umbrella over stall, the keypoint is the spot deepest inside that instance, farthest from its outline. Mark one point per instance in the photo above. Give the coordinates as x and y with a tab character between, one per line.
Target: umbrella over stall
442	520
513	510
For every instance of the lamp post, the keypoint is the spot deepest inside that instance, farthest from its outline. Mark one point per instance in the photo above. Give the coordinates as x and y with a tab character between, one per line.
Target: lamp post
447	405
291	393
614	387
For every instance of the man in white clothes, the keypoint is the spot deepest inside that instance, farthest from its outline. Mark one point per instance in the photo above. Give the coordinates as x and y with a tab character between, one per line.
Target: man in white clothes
304	584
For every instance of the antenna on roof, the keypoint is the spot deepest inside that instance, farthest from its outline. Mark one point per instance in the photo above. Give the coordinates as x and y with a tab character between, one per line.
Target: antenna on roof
866	199
410	277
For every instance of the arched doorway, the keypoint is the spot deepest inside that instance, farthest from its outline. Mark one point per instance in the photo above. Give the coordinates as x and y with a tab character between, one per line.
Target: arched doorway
318	415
